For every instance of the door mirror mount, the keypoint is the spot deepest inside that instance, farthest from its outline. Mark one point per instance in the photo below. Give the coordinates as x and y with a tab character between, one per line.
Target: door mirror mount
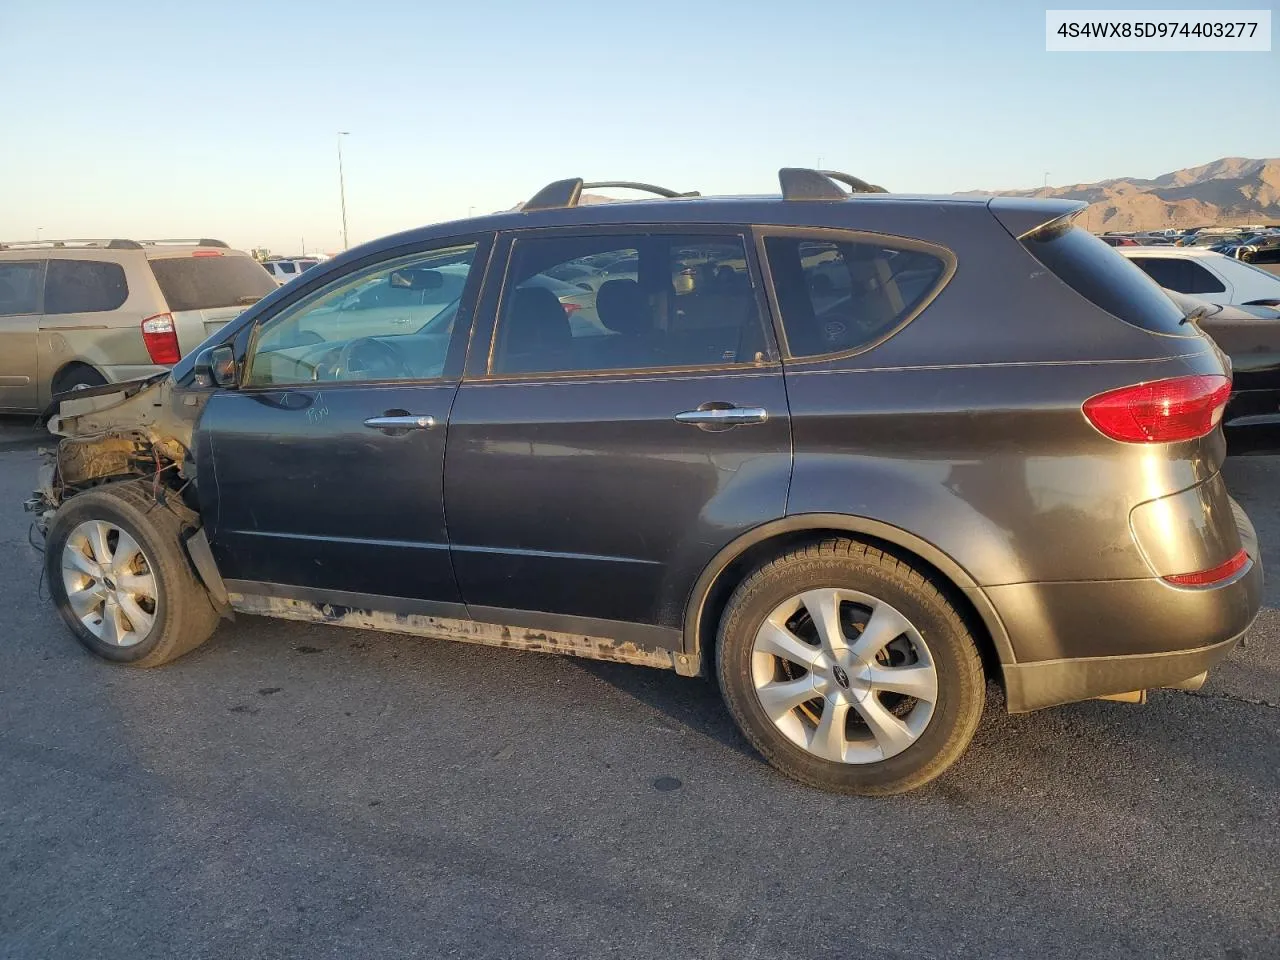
216	367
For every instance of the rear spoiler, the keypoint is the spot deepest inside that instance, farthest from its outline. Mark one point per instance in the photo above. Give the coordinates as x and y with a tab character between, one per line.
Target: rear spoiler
1025	215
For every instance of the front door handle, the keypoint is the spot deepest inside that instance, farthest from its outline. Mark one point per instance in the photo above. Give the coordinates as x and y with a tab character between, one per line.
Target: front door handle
709	415
408	421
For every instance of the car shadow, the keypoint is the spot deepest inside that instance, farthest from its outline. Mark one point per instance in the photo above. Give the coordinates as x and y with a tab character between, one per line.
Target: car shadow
692	702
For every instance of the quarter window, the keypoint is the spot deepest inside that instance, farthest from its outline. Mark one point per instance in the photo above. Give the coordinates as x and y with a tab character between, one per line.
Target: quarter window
20	287
392	321
84	286
1178	273
610	302
840	295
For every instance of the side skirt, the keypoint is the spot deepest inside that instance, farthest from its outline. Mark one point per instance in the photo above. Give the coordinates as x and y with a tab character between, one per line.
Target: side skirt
450	628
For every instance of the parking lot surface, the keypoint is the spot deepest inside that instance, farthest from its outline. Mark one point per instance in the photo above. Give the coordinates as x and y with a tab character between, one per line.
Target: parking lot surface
296	790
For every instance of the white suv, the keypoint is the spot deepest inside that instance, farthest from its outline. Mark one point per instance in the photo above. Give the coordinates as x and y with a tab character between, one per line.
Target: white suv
282	271
1206	274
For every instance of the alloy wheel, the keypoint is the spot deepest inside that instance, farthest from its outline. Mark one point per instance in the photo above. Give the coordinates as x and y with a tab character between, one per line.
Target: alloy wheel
844	675
110	583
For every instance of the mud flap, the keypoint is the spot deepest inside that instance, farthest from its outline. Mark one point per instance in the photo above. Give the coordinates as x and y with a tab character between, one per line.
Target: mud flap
207	569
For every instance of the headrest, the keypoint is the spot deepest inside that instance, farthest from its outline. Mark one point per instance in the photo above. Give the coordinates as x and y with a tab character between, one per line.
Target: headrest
622	307
536	319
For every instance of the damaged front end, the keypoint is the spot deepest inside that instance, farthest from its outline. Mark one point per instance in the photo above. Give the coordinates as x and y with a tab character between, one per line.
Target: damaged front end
119	431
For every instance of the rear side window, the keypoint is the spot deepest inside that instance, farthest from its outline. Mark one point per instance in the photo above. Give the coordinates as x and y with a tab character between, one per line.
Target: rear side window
841	295
84	286
200	283
1185	276
287	266
20	287
652	302
1105	278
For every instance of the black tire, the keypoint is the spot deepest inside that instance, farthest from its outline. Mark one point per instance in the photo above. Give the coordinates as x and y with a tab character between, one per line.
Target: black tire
76	377
183	616
849	565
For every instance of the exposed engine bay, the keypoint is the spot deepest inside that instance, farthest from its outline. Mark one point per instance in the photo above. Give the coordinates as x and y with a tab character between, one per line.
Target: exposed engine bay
137	429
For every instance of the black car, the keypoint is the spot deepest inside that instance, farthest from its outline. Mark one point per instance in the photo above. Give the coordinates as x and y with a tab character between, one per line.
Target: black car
852	454
1250	336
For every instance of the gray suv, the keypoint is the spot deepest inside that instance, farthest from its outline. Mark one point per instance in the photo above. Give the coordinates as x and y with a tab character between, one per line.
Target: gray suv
855	455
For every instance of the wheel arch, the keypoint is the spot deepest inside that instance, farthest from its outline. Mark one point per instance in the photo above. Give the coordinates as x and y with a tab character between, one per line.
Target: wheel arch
727	568
68	365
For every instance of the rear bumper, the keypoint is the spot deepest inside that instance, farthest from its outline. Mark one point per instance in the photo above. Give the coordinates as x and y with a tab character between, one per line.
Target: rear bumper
1073	641
1031	686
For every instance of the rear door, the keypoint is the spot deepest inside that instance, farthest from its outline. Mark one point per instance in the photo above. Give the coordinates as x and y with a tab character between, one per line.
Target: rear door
206	288
21	283
320	476
607	443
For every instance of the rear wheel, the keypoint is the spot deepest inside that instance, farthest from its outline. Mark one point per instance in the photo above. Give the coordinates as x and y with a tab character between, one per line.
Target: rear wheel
78	376
849	670
120	578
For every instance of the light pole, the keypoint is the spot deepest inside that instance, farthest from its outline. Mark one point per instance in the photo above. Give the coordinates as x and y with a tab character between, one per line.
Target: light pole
1045	187
38	229
342	187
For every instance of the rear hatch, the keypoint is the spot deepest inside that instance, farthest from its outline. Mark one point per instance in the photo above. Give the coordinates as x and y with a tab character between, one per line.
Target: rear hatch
207	287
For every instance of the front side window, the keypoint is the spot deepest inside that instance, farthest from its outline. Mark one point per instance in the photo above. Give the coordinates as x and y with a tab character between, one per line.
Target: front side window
20	287
84	286
837	295
287	266
392	321
611	302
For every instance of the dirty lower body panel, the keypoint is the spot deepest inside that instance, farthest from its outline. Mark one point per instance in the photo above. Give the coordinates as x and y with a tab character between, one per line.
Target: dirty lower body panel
446	628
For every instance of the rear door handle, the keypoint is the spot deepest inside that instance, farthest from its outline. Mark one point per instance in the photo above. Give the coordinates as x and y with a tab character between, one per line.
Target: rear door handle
718	416
406	422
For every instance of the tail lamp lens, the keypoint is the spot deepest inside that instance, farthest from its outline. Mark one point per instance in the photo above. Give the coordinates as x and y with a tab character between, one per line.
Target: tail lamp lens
1163	411
1204	578
161	338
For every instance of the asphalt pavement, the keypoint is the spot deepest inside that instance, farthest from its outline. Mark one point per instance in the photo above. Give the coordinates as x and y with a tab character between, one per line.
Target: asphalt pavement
306	791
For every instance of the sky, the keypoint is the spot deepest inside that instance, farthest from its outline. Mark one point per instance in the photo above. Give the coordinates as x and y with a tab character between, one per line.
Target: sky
188	118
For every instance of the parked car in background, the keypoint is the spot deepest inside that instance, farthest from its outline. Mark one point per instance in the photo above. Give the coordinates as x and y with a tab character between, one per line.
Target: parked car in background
852	455
82	313
1206	274
1118	240
1261	251
283	270
1250	337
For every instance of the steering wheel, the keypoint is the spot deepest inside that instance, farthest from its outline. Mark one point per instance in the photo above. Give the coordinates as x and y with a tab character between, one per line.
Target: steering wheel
366	355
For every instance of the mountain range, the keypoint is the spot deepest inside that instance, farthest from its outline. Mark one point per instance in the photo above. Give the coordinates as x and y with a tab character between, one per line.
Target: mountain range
1226	192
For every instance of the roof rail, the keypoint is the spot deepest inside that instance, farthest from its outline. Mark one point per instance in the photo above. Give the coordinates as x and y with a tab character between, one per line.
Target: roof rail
801	183
59	244
202	242
567	193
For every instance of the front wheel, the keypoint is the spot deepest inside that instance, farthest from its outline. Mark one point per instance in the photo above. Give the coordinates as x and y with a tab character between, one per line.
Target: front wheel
120	578
849	670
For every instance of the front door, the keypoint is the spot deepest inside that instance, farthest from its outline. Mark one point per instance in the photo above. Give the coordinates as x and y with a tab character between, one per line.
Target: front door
626	421
321	474
21	282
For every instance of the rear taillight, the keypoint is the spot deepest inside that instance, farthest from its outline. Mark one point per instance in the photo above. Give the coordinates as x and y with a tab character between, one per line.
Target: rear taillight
161	339
571	308
1163	411
1204	578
